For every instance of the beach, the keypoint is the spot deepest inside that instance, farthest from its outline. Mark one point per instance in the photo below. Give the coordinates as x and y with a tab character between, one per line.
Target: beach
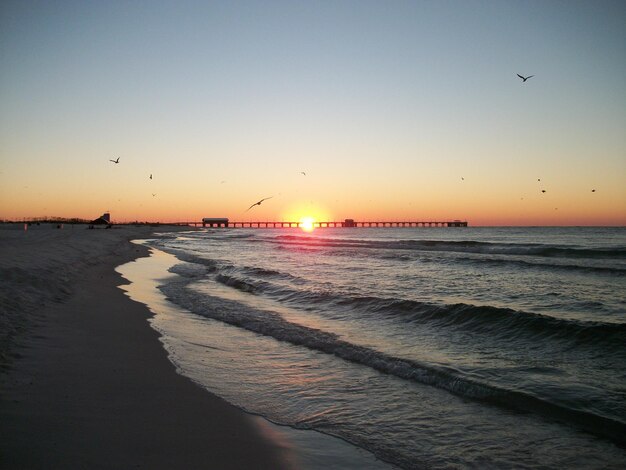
85	382
172	347
438	348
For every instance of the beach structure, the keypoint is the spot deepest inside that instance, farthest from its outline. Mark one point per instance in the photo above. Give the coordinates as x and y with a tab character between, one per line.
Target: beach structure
104	219
215	222
346	223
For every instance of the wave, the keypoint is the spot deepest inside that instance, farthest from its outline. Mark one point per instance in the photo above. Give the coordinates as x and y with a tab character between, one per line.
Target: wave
496	322
503	323
239	284
607	270
263	272
492	260
462	246
272	325
201	265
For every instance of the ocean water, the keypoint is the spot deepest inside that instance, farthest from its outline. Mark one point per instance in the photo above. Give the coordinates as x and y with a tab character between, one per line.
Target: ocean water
422	347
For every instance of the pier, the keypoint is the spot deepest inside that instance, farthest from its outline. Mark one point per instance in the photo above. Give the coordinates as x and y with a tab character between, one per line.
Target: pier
347	223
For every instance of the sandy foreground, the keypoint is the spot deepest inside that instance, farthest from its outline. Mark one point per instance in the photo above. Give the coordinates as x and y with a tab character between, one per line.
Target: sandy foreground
84	380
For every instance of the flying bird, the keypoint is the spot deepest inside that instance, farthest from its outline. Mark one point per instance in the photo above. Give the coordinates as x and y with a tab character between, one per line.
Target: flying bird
115	161
153	194
259	203
303	173
150	175
525	78
593	190
543	190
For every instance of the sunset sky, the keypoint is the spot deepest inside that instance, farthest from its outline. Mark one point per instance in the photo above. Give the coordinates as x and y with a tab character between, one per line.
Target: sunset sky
394	110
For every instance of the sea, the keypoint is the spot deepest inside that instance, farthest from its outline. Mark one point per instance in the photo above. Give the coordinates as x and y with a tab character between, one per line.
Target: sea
409	348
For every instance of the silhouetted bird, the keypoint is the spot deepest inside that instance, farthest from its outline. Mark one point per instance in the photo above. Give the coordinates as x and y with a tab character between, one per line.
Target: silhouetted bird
593	190
525	78
153	194
150	175
115	161
258	203
543	190
303	173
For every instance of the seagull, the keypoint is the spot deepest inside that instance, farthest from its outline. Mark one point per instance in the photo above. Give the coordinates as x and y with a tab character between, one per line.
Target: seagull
150	175
115	161
153	194
258	203
525	78
303	173
462	179
543	190
593	190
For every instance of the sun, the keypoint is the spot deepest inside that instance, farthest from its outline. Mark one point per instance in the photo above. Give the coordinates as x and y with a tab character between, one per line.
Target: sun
307	224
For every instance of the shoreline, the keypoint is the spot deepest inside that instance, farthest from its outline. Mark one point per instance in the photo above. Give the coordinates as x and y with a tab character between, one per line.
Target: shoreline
88	383
300	448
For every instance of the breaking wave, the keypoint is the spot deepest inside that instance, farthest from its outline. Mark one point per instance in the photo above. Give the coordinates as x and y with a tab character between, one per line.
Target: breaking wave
270	324
463	246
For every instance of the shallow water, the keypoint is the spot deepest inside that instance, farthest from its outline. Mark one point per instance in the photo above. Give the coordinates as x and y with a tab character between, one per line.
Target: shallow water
436	348
299	449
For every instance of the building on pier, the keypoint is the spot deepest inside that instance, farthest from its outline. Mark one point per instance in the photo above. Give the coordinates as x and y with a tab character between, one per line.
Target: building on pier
215	222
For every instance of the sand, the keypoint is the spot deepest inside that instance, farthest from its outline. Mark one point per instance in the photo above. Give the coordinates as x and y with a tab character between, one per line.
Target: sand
85	382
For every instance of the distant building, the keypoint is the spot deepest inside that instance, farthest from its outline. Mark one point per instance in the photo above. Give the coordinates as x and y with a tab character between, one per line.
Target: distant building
104	219
457	223
215	222
349	223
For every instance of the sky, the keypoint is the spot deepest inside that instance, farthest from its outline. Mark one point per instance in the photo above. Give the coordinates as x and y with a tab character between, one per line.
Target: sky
395	110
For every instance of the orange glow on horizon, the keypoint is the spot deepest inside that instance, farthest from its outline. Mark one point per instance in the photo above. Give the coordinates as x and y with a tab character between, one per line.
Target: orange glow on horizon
307	213
480	204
